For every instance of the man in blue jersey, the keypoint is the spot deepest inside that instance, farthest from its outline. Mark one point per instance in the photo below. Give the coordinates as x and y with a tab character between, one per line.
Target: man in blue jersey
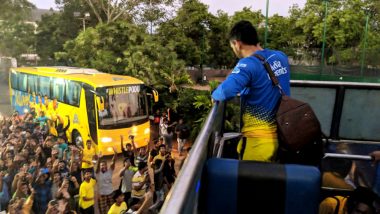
259	96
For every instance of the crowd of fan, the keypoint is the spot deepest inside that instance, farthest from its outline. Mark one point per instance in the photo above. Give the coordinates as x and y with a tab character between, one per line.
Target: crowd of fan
41	172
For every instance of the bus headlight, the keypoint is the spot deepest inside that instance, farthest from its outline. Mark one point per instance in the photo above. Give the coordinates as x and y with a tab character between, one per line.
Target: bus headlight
134	129
147	131
106	140
110	149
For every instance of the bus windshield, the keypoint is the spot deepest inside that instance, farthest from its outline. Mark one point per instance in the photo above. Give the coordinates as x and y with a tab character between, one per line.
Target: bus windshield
123	105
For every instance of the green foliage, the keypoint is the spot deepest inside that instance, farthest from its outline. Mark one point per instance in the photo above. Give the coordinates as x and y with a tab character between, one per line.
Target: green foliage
16	39
188	32
280	34
220	53
255	17
55	29
14	11
16	36
345	25
124	48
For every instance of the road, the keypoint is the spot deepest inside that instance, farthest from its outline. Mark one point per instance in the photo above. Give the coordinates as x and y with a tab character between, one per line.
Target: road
5	103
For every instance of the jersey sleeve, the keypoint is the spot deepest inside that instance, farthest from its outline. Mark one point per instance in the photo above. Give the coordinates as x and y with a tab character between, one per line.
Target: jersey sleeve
235	82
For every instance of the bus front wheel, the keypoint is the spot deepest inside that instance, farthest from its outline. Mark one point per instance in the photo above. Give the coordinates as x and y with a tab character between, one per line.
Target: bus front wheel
77	139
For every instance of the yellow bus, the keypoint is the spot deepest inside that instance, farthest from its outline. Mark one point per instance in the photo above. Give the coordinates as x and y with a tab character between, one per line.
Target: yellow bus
100	106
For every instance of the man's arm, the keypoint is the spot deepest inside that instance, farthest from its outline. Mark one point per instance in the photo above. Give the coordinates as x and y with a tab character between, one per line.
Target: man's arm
68	124
113	158
1	181
98	165
134	149
161	167
121	172
121	144
235	82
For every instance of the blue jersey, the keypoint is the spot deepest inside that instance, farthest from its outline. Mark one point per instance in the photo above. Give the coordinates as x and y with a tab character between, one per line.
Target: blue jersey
259	95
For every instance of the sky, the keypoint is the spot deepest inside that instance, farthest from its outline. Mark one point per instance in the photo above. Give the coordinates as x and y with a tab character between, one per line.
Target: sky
230	6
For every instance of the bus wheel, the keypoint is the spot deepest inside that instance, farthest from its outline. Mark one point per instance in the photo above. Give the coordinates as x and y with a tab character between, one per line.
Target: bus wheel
77	139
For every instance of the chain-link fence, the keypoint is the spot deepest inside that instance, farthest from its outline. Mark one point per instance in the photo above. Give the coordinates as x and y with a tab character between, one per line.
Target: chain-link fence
349	64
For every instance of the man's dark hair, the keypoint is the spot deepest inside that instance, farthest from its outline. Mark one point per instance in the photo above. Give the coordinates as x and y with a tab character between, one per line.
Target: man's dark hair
162	145
141	165
245	32
88	170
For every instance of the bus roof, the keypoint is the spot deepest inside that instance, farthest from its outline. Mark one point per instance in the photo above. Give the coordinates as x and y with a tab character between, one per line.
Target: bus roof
85	75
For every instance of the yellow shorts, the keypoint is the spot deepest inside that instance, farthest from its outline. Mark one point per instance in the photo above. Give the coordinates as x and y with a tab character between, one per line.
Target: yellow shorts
259	149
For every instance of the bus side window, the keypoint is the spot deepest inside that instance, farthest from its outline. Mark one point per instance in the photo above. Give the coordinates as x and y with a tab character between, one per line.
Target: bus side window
73	90
32	83
59	89
44	86
22	80
14	81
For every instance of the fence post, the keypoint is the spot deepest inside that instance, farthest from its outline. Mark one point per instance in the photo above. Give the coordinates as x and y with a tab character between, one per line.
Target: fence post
324	38
365	45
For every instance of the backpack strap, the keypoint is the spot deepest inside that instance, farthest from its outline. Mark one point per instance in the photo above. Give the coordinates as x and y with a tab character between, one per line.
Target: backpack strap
337	207
269	71
243	145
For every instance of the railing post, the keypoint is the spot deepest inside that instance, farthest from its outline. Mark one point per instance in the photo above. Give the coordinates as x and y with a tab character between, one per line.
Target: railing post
266	26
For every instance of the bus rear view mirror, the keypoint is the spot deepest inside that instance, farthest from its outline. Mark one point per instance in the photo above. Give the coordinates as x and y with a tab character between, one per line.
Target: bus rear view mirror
155	95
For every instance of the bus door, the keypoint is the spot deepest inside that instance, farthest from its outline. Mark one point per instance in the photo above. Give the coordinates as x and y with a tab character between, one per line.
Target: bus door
90	106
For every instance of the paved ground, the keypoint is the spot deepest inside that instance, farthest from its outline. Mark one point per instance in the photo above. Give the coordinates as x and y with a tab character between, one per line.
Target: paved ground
5	103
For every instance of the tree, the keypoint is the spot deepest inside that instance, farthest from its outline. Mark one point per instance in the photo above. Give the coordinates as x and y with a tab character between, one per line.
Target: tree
16	39
152	13
140	11
107	11
15	11
345	25
280	33
17	36
124	48
220	53
188	32
57	28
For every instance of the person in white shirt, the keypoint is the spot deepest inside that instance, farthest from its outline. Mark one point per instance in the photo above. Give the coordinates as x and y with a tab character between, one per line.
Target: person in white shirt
104	181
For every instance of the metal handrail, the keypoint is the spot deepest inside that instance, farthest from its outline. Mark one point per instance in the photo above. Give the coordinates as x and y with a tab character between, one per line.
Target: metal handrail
180	194
348	156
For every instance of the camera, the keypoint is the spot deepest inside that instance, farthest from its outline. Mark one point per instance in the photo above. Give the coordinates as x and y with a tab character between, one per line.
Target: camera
131	137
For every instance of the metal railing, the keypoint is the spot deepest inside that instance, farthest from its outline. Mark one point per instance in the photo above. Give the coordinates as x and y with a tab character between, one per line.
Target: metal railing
183	197
336	98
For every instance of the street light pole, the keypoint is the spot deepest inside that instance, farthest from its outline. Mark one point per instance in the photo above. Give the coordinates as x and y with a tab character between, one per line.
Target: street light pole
204	25
266	25
151	24
86	16
324	38
202	51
